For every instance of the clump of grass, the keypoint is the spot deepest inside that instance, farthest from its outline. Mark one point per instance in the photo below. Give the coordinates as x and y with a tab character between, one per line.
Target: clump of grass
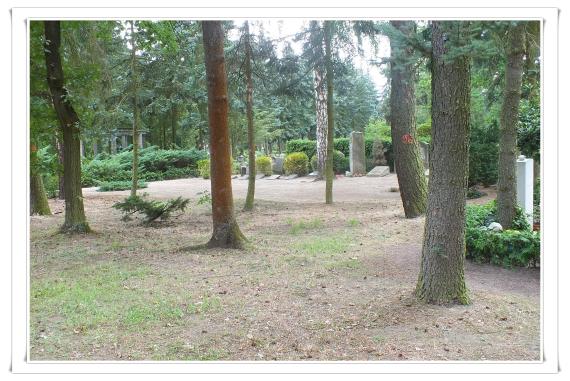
302	225
353	222
205	304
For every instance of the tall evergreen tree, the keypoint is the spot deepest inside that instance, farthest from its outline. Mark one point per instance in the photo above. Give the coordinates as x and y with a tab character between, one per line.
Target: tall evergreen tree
441	278
226	230
75	220
250	127
507	177
409	168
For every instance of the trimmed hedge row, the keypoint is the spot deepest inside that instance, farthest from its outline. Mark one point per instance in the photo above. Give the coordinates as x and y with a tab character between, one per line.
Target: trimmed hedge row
309	147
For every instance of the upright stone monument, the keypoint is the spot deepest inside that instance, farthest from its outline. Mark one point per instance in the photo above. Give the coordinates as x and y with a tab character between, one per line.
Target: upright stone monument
424	152
525	186
357	158
113	144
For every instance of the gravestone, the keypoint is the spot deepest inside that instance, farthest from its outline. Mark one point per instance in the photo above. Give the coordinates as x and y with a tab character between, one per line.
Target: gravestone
243	170
290	177
357	158
525	186
259	176
424	152
272	177
277	164
140	140
113	144
379	171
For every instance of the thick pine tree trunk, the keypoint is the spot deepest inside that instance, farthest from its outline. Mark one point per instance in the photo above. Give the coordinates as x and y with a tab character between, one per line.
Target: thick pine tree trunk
226	230
507	183
409	167
75	220
321	119
136	113
250	127
441	278
38	199
330	114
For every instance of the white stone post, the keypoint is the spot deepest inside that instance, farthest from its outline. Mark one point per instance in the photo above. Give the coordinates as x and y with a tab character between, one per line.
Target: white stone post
82	148
140	140
525	186
113	144
124	141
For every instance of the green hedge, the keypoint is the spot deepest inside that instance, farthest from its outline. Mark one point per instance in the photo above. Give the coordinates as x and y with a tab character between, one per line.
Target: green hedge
154	164
263	165
340	163
296	163
309	147
119	186
518	246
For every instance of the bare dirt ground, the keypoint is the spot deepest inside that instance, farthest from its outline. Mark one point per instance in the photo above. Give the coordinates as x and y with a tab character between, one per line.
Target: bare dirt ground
317	283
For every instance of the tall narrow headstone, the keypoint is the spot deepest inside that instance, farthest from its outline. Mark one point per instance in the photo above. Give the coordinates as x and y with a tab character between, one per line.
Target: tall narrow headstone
113	144
525	186
82	148
357	158
124	141
140	140
424	151
95	149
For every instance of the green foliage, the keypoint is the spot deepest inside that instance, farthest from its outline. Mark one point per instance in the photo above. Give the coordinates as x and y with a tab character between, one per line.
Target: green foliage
151	209
302	225
109	186
340	162
516	247
424	131
309	147
484	154
263	165
154	164
528	130
296	163
378	129
205	198
204	168
51	185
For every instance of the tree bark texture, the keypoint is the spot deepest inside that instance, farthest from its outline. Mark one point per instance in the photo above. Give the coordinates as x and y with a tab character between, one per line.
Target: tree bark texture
226	230
75	220
59	145
174	124
321	121
507	176
330	113
441	279
38	199
409	167
250	127
136	112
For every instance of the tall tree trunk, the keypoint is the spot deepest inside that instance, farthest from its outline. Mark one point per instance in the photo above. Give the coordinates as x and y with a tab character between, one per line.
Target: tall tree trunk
174	123
330	113
163	129
321	121
226	230
507	176
409	168
38	199
136	112
75	220
59	147
250	128
441	278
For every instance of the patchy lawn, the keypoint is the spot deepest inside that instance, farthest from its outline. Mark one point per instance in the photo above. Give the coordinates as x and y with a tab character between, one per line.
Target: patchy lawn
317	282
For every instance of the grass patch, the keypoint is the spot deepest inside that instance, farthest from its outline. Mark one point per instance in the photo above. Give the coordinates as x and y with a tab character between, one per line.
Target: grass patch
179	350
353	222
299	226
330	252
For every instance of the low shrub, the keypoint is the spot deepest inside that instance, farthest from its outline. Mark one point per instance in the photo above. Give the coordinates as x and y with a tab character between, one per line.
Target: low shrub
204	168
340	163
109	186
296	163
263	165
518	246
151	209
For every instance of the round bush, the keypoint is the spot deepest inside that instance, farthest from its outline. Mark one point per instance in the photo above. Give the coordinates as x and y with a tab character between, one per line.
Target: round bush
263	165
204	168
296	163
340	162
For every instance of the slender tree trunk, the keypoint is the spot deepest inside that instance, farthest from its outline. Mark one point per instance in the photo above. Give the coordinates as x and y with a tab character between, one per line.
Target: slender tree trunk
59	147
507	177
136	112
163	128
330	114
38	199
441	278
321	121
250	127
75	220
226	229
409	168
174	123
